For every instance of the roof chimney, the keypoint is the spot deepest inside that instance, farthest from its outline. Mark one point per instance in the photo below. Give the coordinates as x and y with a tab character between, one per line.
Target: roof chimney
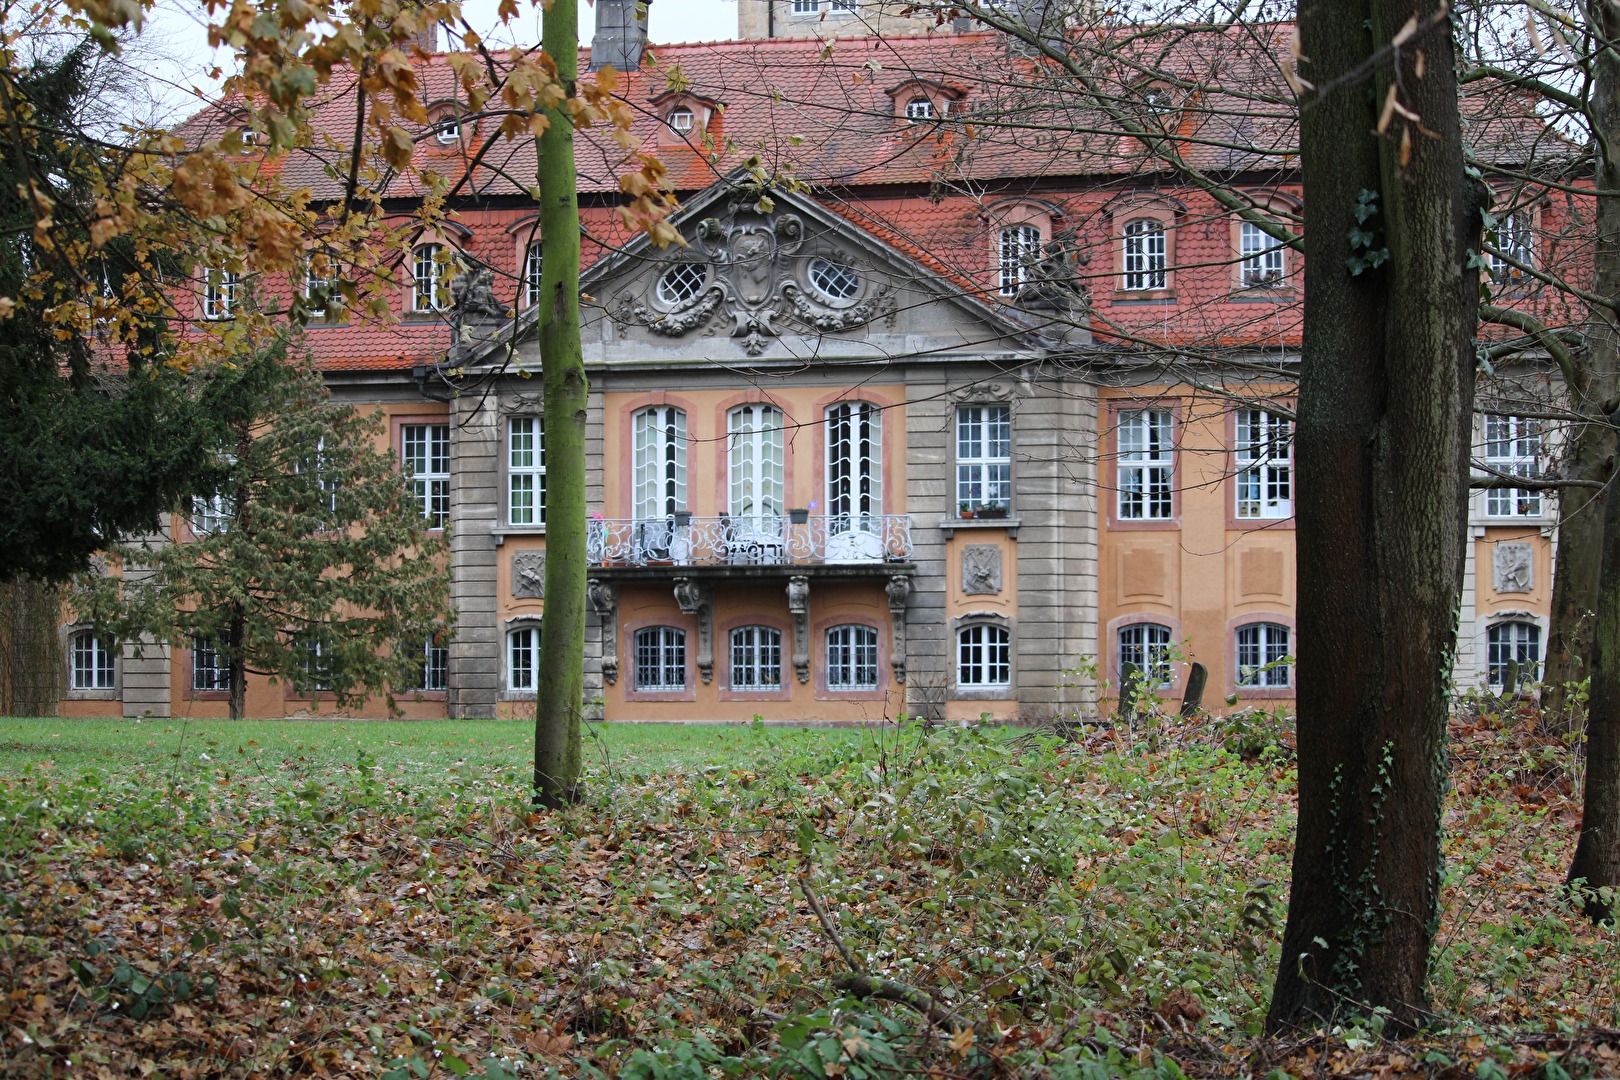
621	34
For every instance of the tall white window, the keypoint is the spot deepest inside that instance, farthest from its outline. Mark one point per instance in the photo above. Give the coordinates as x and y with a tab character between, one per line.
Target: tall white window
852	658
756	658
522	659
1146	645
425	450
532	265
1146	465
526	471
1262	256
92	660
755	461
659	461
1511	237
219	293
1513	448
1020	249
211	513
983	658
427	275
1265	465
317	664
313	285
1516	642
210	671
1262	649
983	456
854	466
434	658
661	658
1146	260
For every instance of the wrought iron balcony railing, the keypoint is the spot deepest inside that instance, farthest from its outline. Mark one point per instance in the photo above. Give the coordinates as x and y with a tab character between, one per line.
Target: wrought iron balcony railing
745	540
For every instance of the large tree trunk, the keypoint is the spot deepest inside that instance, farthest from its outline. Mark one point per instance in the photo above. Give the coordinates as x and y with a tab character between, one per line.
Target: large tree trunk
235	644
1589	455
1597	855
557	754
32	664
1386	389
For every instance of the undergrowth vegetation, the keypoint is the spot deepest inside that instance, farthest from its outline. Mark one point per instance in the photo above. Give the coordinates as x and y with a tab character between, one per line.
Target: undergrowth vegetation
1101	905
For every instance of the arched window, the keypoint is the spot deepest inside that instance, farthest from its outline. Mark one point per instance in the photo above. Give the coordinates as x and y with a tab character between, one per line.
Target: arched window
1146	645
427	275
852	658
532	266
1263	255
1513	642
983	657
210	669
681	283
523	659
1262	652
92	659
1019	251
919	108
756	658
755	463
1146	255
661	658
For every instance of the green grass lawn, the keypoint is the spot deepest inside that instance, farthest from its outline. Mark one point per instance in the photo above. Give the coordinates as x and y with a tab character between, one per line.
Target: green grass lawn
71	745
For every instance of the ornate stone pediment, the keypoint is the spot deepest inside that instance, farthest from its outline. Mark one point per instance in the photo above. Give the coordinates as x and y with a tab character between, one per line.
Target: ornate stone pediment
754	275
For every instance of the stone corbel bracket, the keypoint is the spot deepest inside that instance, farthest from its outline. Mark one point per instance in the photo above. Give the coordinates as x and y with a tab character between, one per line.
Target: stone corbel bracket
899	590
604	598
798	593
694	598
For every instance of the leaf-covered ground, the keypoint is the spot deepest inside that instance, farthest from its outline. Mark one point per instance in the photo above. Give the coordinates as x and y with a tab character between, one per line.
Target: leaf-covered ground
324	899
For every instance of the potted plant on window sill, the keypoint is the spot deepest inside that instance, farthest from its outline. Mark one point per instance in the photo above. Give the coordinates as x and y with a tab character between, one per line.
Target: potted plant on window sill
964	511
993	510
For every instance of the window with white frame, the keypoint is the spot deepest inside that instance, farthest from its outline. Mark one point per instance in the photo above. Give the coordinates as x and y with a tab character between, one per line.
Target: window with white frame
983	456
852	658
1146	465
1265	465
317	664
1517	643
1512	239
1513	448
1263	651
1147	646
425	451
532	265
522	659
919	109
659	462
983	657
756	658
526	471
219	293
806	7
1146	262
854	466
1019	251
435	665
447	131
1263	254
211	514
427	277
680	120
317	291
210	669
661	658
92	661
841	5
755	464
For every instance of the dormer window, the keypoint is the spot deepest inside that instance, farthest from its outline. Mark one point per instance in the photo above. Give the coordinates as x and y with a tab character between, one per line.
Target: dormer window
680	121
447	131
685	118
917	101
918	109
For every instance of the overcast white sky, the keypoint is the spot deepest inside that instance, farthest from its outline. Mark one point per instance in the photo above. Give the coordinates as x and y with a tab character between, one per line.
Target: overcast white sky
179	39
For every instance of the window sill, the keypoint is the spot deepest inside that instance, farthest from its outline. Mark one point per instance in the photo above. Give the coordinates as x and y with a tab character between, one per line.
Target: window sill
985	693
92	695
1010	523
1261	296
1144	296
501	532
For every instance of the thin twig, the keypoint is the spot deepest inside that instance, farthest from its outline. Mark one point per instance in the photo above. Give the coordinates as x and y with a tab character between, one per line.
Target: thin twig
827	925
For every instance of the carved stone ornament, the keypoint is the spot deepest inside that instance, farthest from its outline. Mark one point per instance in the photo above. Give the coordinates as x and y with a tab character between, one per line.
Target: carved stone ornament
1513	568
899	590
981	569
473	292
798	592
1052	282
755	275
529	575
532	403
604	600
693	598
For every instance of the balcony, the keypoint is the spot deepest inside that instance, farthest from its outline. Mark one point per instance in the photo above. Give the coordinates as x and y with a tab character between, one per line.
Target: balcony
776	540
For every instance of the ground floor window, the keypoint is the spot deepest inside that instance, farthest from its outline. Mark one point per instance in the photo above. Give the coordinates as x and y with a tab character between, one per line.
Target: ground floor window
92	661
1146	645
435	666
1513	642
210	671
756	658
983	658
1262	649
661	658
523	659
852	658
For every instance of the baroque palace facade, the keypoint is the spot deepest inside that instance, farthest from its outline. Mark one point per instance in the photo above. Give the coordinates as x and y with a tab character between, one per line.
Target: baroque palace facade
887	442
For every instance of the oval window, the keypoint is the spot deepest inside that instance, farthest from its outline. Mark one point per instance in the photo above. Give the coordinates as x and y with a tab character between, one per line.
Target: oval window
681	282
834	281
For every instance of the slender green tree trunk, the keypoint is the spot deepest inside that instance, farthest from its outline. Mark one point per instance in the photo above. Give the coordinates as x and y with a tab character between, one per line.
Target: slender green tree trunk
1386	389
1597	855
557	756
